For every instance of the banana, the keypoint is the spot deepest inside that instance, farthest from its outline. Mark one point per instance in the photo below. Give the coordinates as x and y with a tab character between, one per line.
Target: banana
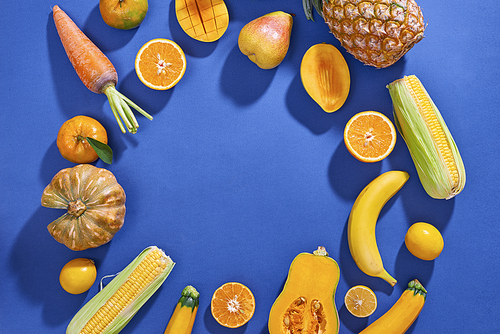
363	218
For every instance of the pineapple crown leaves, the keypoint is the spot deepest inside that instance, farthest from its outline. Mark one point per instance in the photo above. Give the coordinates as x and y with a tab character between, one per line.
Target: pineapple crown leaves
309	5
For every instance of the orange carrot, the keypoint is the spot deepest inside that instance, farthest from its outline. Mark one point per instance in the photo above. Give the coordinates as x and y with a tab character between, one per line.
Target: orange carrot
94	69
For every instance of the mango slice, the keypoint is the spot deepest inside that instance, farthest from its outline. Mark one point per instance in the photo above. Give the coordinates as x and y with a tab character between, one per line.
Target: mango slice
325	76
203	20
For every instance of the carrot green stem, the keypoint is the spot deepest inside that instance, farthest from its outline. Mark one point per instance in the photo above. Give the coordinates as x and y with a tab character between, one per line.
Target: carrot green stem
120	105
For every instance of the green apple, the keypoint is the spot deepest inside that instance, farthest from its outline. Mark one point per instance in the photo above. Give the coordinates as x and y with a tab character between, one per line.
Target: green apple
266	39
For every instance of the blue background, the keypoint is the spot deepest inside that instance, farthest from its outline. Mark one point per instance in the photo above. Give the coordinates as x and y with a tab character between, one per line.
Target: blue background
240	170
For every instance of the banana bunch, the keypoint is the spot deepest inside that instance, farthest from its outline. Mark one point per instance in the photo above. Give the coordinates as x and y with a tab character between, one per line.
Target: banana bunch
363	219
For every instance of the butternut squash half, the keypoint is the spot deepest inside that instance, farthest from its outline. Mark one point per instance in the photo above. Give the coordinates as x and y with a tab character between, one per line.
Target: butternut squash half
325	76
307	302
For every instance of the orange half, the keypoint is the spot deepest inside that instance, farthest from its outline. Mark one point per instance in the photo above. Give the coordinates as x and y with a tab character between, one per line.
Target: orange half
360	301
233	305
160	64
370	136
203	20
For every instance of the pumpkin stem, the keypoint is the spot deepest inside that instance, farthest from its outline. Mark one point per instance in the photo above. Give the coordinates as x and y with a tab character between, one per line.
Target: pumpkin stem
321	251
76	208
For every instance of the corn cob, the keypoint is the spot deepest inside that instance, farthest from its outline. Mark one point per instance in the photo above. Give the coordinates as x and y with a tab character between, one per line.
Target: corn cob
432	148
114	306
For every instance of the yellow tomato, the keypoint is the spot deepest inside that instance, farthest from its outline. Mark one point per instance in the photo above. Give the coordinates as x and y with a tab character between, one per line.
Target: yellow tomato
78	275
424	241
72	142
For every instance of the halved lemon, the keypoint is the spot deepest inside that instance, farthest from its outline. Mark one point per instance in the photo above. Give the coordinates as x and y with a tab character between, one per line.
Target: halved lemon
160	64
360	301
370	136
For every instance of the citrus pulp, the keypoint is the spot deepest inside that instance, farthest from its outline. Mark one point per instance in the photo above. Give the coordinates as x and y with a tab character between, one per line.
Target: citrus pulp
360	301
232	305
160	64
370	136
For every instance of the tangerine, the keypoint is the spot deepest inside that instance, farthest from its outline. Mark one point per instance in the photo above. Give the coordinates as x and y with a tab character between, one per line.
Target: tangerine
123	14
232	305
72	142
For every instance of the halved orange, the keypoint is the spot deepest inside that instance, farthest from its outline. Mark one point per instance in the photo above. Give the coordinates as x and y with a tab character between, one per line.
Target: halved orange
360	301
160	64
370	136
233	304
203	20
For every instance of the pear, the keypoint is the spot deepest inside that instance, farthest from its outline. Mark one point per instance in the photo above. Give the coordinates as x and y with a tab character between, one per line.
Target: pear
266	39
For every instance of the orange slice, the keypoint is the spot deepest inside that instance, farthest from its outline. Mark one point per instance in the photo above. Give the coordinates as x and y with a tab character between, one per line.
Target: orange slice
370	136
233	304
203	20
360	301
160	64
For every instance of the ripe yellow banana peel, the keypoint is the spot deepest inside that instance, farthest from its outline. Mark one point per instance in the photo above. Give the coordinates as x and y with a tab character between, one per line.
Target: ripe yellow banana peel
363	219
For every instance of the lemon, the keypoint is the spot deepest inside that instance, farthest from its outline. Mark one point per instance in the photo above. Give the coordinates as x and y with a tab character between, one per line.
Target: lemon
360	301
424	241
78	275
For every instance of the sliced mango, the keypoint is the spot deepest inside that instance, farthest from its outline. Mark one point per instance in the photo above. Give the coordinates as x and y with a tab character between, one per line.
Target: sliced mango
203	20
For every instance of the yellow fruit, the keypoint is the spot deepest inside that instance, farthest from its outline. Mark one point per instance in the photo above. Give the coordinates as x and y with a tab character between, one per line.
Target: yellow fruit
78	275
424	241
363	219
203	20
360	301
376	32
325	76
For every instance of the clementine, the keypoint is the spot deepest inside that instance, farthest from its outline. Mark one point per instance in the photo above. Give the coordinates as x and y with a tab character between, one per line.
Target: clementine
232	305
123	14
72	142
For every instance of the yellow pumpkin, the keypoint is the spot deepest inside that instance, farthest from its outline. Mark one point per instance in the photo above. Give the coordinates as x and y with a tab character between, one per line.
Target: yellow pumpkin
307	302
325	76
95	205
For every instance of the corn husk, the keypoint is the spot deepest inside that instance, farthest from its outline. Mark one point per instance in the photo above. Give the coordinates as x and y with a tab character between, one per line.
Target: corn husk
438	180
132	307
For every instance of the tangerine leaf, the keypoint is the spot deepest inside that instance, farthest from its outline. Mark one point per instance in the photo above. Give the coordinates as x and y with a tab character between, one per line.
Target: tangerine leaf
104	152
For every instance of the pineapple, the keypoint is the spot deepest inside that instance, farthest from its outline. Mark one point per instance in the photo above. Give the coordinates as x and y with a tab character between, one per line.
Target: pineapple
376	32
